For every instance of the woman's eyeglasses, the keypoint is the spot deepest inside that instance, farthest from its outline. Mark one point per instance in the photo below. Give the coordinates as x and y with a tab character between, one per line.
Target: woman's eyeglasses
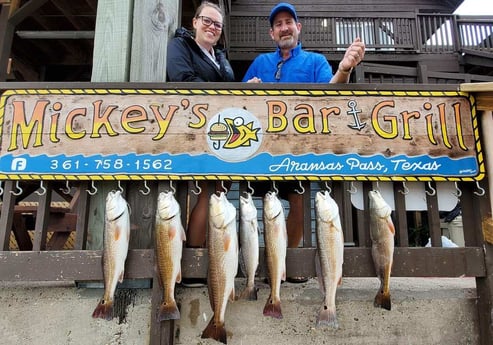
208	22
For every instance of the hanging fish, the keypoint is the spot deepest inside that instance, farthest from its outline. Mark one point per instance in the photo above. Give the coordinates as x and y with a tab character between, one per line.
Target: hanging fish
249	245
330	243
169	234
222	248
382	233
115	249
276	242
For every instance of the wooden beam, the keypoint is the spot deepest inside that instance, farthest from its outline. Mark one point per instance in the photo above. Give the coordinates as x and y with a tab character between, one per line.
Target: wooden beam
154	24
111	59
86	265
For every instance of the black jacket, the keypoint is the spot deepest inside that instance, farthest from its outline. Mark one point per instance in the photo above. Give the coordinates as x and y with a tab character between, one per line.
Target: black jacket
187	62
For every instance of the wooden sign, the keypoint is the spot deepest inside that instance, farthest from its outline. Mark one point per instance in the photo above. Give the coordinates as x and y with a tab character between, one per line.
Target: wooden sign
238	134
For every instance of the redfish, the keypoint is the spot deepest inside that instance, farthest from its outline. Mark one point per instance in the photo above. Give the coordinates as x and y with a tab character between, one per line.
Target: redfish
222	245
115	249
249	244
382	233
276	243
330	243
169	234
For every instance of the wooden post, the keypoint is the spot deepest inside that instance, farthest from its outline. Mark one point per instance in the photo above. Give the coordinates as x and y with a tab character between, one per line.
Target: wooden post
485	285
153	24
112	41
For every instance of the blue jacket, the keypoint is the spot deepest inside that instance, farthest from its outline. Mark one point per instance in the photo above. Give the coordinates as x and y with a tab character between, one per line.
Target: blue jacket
300	67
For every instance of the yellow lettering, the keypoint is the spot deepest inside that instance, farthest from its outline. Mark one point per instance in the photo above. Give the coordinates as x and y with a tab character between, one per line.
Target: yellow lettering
326	112
406	117
197	111
443	125
100	121
304	123
133	114
69	124
163	122
391	119
276	112
24	129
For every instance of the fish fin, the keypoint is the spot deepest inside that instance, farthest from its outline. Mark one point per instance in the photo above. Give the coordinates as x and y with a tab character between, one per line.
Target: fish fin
340	281
183	235
168	311
327	317
104	310
226	242
250	293
382	300
178	276
283	275
273	308
216	332
172	232
232	294
120	279
391	226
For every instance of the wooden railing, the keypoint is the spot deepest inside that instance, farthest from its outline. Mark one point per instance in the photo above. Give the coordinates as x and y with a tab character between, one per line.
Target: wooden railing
394	33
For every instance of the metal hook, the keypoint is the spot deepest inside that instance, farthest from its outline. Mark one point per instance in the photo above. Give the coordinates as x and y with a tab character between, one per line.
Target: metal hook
433	190
274	188
1	189
147	189
173	189
67	188
43	189
481	190
199	190
352	189
224	187
120	186
19	192
249	188
94	189
302	189
458	194
405	190
327	187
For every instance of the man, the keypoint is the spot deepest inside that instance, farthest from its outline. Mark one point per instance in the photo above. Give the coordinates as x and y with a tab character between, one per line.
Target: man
291	64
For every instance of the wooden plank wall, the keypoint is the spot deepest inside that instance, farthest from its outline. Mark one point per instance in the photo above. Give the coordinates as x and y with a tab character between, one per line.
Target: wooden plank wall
333	6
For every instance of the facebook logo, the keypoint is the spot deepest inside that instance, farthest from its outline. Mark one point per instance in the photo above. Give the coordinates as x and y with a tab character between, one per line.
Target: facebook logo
18	164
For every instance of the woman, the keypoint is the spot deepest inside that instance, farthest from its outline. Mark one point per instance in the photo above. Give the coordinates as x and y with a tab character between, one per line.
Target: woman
194	58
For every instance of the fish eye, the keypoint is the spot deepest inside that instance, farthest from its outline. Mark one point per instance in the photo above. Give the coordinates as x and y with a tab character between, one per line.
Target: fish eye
238	121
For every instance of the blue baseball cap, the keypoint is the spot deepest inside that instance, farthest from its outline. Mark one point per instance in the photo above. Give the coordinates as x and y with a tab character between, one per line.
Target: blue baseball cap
282	7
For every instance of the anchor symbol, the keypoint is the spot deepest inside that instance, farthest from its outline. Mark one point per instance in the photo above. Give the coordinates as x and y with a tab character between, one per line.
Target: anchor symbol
357	124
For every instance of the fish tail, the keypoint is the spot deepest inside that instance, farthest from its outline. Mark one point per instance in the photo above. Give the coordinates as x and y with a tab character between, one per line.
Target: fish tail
327	317
382	300
250	293
273	308
215	331
168	311
104	310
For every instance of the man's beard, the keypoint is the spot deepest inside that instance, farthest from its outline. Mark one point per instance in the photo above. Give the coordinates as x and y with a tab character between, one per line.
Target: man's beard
287	43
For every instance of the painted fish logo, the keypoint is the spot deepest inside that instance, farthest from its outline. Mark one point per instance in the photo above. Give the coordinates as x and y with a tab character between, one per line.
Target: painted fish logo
241	134
234	134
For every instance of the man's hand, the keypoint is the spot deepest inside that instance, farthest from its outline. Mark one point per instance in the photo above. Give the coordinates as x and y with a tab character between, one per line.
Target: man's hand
353	56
